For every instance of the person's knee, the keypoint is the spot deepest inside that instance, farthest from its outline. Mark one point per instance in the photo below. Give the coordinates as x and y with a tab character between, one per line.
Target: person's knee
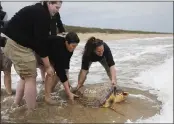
49	79
29	78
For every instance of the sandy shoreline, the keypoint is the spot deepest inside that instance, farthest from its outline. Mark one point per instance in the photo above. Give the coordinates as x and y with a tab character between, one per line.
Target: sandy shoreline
105	36
138	104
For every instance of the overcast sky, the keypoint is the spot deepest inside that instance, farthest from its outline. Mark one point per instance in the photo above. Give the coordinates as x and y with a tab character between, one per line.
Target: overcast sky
146	16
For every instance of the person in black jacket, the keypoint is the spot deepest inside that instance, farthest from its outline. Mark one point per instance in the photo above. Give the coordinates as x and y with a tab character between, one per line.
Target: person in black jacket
27	32
60	52
97	50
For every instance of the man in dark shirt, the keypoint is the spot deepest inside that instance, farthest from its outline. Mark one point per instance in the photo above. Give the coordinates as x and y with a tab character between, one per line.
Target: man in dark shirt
60	52
97	50
28	31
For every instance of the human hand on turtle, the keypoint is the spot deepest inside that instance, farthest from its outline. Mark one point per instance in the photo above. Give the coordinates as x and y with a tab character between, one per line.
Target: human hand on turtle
74	90
113	82
72	97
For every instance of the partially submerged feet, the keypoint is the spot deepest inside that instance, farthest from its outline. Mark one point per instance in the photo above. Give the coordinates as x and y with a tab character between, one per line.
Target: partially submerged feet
29	112
9	91
50	101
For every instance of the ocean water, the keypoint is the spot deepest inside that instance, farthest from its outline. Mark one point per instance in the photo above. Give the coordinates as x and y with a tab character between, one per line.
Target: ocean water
145	64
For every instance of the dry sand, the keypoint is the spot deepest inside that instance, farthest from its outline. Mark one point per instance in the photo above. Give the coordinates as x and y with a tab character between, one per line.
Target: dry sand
105	36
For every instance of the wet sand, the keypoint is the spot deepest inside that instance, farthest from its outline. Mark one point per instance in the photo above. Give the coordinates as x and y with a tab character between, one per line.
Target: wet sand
105	36
139	104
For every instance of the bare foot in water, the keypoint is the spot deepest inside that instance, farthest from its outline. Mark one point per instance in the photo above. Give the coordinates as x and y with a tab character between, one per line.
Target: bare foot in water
50	101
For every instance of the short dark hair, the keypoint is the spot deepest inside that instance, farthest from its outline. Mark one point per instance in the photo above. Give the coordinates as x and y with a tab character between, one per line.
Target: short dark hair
72	37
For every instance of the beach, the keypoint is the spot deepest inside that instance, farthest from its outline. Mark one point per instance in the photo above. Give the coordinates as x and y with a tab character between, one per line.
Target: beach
121	36
134	59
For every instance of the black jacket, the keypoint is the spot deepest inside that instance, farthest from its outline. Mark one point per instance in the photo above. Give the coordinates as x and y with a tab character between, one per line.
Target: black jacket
59	56
30	28
56	22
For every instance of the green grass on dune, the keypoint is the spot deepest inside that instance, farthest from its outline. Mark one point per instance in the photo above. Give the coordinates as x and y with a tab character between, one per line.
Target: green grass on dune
110	31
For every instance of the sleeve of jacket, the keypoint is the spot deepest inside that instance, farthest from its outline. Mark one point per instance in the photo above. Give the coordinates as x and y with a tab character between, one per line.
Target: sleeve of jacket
109	57
60	24
41	33
60	71
67	64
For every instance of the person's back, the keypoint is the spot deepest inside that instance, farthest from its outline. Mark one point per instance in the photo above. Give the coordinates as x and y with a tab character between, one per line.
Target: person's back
30	26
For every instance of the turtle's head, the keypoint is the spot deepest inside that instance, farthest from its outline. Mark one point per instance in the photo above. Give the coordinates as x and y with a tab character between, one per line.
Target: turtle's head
110	101
120	96
116	95
115	98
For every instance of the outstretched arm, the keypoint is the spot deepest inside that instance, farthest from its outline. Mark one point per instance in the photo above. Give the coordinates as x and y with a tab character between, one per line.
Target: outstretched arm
82	77
84	71
111	64
113	75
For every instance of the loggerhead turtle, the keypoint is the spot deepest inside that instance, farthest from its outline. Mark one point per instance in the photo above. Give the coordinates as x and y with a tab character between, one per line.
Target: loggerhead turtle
100	95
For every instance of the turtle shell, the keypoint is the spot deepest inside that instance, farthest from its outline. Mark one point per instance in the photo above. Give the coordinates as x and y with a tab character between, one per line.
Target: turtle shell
94	95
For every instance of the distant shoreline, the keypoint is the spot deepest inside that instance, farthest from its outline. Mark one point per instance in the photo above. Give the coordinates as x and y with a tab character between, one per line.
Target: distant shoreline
120	36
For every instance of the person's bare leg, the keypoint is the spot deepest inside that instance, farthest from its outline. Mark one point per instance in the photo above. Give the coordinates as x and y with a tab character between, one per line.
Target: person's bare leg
30	92
42	71
56	80
49	82
7	82
19	91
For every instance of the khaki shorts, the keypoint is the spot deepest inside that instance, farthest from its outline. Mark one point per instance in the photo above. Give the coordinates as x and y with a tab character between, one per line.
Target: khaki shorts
5	62
23	59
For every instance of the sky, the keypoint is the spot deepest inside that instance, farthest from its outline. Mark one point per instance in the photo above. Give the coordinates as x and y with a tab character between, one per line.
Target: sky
144	16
